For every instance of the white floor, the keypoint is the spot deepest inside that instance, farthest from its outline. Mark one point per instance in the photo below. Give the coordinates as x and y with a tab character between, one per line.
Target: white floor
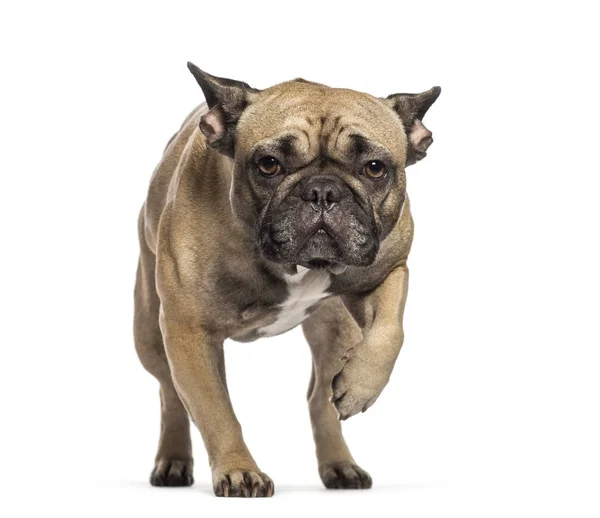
120	497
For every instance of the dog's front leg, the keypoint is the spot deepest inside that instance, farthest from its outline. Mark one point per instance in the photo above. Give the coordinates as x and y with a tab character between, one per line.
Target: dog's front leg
369	363
198	370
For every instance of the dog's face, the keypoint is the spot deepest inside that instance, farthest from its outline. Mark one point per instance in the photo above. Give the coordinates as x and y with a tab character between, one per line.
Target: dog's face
319	173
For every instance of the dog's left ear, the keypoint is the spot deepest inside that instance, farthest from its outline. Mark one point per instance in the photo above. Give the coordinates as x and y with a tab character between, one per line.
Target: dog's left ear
412	108
226	99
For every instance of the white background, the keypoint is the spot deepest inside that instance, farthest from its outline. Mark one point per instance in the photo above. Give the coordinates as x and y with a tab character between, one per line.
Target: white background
493	407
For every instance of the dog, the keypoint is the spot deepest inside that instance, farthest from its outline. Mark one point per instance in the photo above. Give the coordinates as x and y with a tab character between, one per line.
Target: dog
271	209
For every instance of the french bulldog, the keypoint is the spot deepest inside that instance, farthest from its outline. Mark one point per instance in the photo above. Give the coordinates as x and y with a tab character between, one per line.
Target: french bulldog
270	209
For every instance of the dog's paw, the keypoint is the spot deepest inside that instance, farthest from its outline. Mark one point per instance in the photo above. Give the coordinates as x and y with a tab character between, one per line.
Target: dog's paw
355	388
172	473
248	484
344	475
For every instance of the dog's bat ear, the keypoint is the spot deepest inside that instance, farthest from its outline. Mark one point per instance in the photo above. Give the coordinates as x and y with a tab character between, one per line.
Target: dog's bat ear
411	109
226	99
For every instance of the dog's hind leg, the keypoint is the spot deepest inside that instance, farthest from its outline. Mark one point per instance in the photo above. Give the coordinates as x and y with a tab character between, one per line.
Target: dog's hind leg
330	332
173	463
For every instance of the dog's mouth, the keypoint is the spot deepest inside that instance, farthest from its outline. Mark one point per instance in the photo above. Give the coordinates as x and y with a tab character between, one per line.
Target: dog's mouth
317	244
321	265
321	251
318	264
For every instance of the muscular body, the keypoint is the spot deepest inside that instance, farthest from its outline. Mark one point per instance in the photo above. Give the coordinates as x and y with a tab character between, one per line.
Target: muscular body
202	279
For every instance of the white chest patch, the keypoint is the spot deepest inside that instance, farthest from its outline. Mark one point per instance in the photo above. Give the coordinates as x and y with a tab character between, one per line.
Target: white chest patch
305	289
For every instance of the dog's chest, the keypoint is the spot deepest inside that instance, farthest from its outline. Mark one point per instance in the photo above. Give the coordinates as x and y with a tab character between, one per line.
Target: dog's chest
305	289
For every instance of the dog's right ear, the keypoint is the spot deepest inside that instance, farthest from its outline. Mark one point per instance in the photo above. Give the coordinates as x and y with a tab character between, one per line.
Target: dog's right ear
226	99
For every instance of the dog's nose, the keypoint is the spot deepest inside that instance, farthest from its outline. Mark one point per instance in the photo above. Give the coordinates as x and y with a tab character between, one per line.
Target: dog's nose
321	193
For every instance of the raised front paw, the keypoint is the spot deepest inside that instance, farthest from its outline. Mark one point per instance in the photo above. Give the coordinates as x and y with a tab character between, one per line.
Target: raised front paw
243	483
356	387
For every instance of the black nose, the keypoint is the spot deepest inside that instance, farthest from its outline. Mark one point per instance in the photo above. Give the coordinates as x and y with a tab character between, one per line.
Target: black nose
321	193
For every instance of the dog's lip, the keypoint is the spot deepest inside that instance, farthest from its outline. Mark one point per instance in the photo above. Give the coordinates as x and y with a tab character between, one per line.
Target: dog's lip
337	268
319	232
322	264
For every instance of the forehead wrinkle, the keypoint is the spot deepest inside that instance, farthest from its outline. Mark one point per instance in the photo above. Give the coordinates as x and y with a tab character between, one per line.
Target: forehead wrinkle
330	136
339	147
298	139
372	146
337	138
300	127
309	143
303	141
371	115
317	115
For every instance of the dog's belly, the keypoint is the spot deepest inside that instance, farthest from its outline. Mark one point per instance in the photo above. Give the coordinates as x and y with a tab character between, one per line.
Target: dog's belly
305	289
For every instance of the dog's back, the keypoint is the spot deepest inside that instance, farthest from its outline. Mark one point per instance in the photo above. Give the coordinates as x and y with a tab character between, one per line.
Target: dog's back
163	184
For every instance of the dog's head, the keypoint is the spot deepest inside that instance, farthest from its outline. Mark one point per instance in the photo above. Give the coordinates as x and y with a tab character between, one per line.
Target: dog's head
319	172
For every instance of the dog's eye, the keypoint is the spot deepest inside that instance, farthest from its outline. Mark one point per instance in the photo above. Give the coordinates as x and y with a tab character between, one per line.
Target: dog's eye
375	169
268	166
